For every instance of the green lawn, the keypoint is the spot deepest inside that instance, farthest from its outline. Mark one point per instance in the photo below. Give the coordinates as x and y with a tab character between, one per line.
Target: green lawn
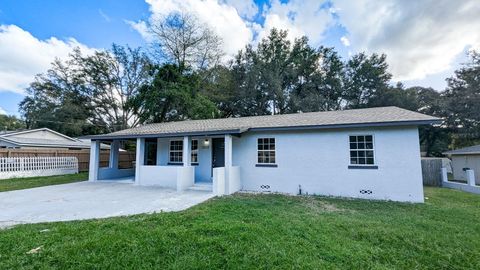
263	231
31	182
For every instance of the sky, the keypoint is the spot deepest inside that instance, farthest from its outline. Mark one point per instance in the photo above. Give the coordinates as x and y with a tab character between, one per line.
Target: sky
425	41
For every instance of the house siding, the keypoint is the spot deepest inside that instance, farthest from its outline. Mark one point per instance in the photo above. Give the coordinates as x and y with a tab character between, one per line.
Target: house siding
318	161
466	161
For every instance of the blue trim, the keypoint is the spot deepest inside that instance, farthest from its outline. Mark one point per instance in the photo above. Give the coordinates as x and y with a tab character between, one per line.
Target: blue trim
266	165
181	163
368	167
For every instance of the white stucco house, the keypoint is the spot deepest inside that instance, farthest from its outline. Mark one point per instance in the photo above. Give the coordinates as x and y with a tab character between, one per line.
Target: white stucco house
463	159
365	153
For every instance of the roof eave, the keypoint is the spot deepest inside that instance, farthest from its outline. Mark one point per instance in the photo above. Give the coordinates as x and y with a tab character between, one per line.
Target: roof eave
354	125
165	135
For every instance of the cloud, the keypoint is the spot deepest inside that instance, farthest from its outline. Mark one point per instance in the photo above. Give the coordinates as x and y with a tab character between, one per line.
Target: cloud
246	8
307	17
2	111
22	56
104	15
345	41
220	16
420	38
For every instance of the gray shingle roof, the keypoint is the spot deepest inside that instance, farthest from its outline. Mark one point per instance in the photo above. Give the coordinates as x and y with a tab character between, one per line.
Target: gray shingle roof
46	142
471	150
381	116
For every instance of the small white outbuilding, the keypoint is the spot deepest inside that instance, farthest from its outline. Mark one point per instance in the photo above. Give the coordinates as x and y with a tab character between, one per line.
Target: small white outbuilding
464	159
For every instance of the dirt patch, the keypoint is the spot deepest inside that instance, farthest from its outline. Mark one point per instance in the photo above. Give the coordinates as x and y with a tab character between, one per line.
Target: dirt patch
319	206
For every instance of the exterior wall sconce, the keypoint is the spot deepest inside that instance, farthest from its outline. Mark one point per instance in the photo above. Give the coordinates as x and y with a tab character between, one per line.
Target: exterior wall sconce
206	142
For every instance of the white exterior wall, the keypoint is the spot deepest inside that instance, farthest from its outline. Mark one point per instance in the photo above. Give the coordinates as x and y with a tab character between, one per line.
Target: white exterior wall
203	170
319	160
466	161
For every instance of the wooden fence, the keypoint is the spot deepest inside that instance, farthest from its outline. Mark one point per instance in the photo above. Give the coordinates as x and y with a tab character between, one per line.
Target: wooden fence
126	158
432	171
11	167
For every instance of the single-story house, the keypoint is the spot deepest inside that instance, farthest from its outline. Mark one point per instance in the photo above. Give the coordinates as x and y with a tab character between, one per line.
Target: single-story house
463	159
365	153
42	138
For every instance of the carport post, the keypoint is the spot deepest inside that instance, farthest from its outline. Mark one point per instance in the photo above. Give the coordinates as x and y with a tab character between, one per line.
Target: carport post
187	151
94	160
114	147
139	159
228	161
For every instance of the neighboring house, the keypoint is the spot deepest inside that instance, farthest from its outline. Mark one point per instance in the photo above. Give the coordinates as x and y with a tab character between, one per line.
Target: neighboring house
41	138
366	153
463	159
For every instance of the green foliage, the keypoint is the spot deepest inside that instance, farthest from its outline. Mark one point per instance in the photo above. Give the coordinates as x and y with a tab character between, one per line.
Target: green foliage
171	96
463	102
263	232
11	122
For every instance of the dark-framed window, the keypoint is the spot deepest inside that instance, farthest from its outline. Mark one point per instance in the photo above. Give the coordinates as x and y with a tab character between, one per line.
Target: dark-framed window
150	152
194	151
176	152
362	150
266	151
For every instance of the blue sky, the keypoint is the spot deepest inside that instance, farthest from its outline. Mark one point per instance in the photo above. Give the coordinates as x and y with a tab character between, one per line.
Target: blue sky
424	41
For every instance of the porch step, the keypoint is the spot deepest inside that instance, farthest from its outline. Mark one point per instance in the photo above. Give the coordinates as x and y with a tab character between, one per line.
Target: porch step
201	187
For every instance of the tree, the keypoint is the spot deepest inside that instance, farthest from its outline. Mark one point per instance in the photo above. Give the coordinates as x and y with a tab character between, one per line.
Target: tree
463	102
87	94
111	79
172	96
180	39
10	122
320	86
365	77
57	100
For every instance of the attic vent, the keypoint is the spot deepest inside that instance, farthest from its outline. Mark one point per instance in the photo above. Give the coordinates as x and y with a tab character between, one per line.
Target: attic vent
265	186
366	191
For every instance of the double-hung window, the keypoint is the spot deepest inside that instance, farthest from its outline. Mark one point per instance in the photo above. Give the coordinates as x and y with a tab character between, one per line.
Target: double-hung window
266	151
362	150
176	151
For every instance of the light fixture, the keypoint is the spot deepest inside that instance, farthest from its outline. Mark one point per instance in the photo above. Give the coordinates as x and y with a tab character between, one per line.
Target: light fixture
206	142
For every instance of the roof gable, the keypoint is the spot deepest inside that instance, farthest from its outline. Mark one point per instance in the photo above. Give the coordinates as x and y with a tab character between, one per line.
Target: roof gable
41	134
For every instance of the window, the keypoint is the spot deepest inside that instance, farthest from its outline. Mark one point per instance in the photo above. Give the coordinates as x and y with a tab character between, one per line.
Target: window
194	151
176	151
150	152
361	150
266	150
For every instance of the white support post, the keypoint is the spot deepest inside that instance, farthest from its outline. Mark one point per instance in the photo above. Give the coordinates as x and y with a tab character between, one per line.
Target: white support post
187	151
114	148
139	159
444	175
470	177
94	161
228	161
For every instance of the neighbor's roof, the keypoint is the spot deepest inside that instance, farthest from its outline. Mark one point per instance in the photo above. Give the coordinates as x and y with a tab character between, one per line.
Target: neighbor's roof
471	150
381	116
66	141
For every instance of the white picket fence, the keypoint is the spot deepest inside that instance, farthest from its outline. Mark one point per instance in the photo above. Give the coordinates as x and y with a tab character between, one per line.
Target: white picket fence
11	167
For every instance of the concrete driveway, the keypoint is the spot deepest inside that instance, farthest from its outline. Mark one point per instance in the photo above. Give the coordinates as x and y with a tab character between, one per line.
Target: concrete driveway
87	200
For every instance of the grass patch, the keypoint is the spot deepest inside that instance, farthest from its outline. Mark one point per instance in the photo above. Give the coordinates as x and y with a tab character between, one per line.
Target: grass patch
263	232
31	182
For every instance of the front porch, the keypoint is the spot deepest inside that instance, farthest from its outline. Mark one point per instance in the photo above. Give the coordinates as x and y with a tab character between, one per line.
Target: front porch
180	163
